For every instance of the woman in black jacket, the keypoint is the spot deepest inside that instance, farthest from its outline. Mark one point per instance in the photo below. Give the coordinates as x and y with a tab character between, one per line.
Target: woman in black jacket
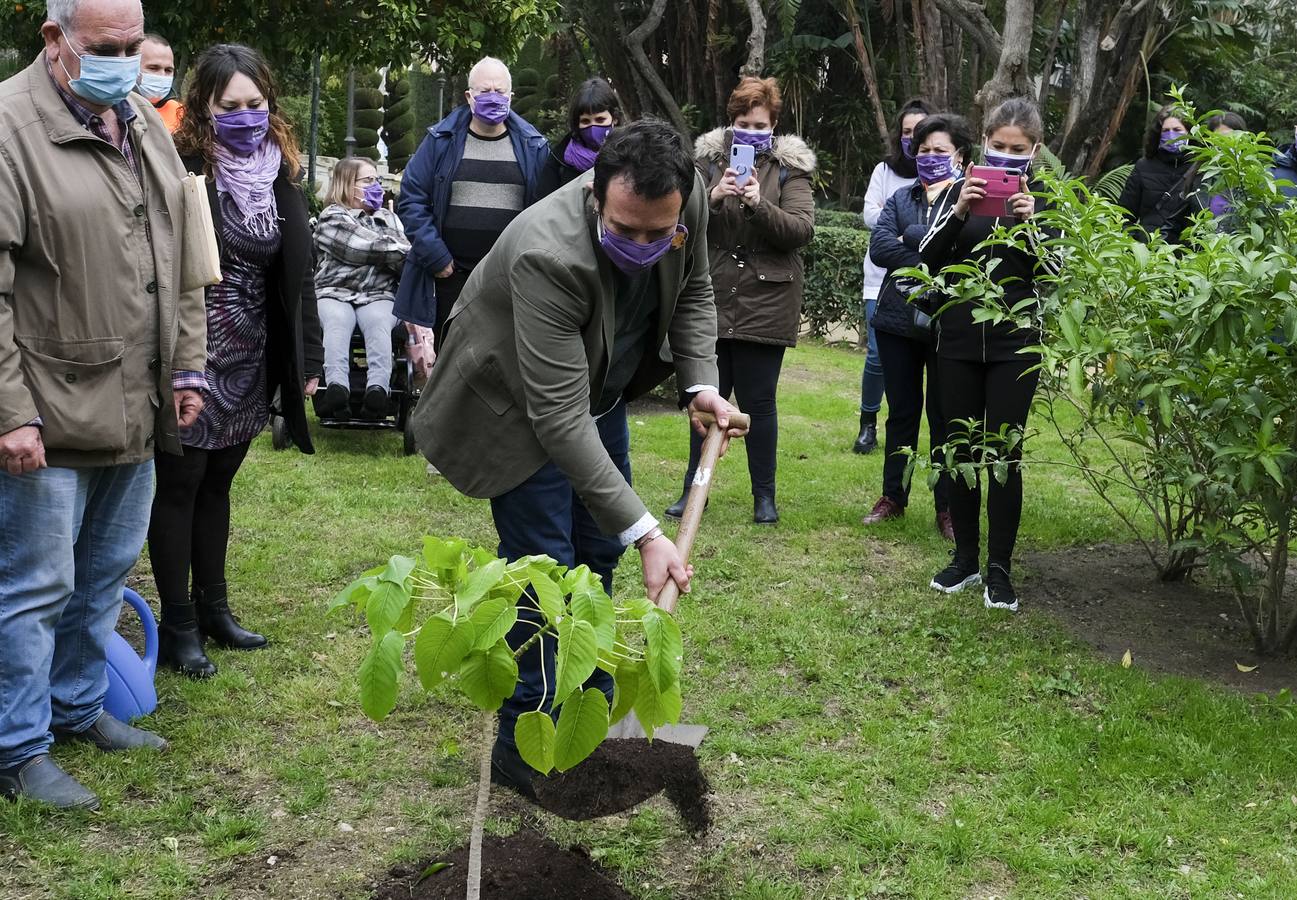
986	378
263	340
943	147
1158	192
592	114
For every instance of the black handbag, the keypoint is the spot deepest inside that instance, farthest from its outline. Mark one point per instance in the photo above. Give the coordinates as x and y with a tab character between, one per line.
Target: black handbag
910	293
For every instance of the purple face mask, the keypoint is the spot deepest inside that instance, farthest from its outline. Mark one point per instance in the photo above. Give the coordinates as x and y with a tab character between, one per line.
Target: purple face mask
1174	141
373	196
491	106
632	257
1007	160
593	136
759	140
906	143
934	169
243	130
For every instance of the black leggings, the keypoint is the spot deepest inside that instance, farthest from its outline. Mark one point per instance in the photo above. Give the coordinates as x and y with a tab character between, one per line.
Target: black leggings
190	525
751	371
904	363
997	394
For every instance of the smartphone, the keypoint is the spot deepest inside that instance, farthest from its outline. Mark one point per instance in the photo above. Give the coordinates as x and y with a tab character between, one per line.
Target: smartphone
742	158
1001	184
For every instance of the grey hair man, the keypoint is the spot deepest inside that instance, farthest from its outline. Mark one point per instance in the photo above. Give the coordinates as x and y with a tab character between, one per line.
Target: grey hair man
101	360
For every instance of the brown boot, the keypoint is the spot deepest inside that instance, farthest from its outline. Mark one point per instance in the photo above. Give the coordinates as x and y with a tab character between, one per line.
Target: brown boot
886	508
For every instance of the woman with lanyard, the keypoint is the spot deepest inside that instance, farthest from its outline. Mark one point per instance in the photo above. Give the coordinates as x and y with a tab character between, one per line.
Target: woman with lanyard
592	114
263	339
889	176
987	380
1158	192
943	145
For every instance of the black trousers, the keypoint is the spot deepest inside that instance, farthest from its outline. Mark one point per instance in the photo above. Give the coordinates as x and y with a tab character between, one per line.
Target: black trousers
190	526
904	363
448	291
751	371
995	394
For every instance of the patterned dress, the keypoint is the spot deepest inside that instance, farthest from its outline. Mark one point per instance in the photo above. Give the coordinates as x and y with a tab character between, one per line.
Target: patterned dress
235	407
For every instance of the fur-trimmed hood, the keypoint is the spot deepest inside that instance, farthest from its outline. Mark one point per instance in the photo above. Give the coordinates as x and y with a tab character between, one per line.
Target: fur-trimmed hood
788	149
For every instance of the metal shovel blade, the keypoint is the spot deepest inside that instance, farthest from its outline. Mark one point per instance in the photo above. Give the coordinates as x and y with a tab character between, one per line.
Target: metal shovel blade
630	728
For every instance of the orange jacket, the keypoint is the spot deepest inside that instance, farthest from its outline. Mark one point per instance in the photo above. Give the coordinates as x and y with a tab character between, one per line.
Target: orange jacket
171	113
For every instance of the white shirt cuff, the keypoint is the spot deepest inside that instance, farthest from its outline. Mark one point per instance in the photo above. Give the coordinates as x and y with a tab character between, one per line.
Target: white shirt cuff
646	524
699	388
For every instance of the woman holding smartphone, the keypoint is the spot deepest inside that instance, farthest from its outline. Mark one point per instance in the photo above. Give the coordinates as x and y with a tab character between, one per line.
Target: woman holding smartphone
889	176
759	222
986	378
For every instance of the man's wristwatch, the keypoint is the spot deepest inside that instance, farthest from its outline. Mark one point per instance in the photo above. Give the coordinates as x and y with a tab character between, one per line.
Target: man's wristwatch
653	534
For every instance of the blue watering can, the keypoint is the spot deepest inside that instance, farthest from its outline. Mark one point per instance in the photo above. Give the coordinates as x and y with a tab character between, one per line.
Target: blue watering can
131	693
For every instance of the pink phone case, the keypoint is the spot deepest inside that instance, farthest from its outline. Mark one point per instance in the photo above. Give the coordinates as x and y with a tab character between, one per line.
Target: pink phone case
1001	184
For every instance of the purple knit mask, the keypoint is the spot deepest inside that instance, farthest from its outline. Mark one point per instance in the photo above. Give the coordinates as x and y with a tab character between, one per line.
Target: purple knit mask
1174	141
632	257
243	130
491	106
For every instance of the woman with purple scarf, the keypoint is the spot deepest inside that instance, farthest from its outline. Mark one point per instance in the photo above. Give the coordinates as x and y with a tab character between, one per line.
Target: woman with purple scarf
591	116
263	344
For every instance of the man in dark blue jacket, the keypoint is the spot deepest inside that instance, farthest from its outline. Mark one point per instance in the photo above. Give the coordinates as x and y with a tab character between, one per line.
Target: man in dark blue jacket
476	170
1285	169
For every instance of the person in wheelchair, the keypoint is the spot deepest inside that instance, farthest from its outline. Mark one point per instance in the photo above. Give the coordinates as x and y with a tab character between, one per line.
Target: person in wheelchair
360	250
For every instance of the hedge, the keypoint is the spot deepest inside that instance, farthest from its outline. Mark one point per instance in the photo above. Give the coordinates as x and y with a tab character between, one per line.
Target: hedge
834	277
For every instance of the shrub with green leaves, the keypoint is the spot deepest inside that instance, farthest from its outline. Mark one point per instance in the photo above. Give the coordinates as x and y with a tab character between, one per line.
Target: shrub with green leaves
1170	372
454	604
834	278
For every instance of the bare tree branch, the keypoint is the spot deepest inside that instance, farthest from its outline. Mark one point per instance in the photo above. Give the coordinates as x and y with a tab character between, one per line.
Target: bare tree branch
645	69
971	17
756	40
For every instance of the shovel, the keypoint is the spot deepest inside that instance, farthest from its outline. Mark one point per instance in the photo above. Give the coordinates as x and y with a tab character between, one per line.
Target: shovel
689	735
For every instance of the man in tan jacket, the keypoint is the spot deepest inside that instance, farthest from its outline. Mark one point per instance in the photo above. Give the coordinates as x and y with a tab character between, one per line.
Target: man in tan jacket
101	357
567	318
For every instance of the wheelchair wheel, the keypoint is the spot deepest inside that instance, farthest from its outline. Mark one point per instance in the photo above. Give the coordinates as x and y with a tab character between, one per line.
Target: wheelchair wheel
279	437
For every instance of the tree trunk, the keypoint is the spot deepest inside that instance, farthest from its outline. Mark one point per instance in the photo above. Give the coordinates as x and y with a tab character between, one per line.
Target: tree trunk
903	54
756	61
313	141
1047	70
647	72
1011	77
1095	164
866	69
719	81
934	62
971	18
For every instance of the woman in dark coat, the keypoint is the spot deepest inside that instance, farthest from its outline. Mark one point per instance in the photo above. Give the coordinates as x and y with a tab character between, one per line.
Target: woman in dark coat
1158	193
943	146
263	341
754	238
592	114
986	377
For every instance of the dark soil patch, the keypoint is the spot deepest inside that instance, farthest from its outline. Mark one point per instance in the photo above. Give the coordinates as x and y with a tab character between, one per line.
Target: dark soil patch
524	866
621	774
1108	597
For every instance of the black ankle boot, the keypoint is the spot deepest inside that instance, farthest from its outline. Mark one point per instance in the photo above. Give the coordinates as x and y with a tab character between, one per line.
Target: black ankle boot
867	440
677	509
218	624
764	511
180	645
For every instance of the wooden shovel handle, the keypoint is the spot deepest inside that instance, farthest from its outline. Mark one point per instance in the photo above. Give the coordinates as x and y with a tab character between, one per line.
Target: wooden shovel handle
693	514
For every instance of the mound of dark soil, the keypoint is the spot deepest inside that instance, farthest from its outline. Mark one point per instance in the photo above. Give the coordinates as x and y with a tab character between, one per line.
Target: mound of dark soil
621	774
523	866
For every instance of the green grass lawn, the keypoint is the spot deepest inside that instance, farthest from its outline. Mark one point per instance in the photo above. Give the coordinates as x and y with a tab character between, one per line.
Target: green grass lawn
870	738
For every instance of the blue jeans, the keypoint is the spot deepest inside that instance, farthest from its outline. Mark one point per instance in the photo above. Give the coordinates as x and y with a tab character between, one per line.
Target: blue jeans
871	379
69	537
544	515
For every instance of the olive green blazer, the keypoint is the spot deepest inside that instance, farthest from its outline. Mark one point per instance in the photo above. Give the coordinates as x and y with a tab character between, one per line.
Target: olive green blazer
527	352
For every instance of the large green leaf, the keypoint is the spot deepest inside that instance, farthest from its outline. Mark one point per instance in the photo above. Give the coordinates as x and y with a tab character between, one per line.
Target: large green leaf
379	673
654	709
663	650
582	726
355	594
578	653
492	620
384	607
626	681
441	647
548	594
534	735
489	677
443	555
398	569
477	584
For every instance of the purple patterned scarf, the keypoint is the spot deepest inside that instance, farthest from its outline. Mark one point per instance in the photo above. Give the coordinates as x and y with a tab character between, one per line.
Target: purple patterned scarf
250	182
579	156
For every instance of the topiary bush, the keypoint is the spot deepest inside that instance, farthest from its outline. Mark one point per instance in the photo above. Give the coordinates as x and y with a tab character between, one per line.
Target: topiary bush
838	218
398	119
368	114
834	278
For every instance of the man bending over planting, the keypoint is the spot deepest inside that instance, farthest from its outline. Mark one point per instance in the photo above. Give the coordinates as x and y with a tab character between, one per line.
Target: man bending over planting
589	298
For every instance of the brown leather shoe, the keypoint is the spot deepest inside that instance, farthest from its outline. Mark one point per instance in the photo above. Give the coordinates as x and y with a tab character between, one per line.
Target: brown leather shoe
946	525
886	508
